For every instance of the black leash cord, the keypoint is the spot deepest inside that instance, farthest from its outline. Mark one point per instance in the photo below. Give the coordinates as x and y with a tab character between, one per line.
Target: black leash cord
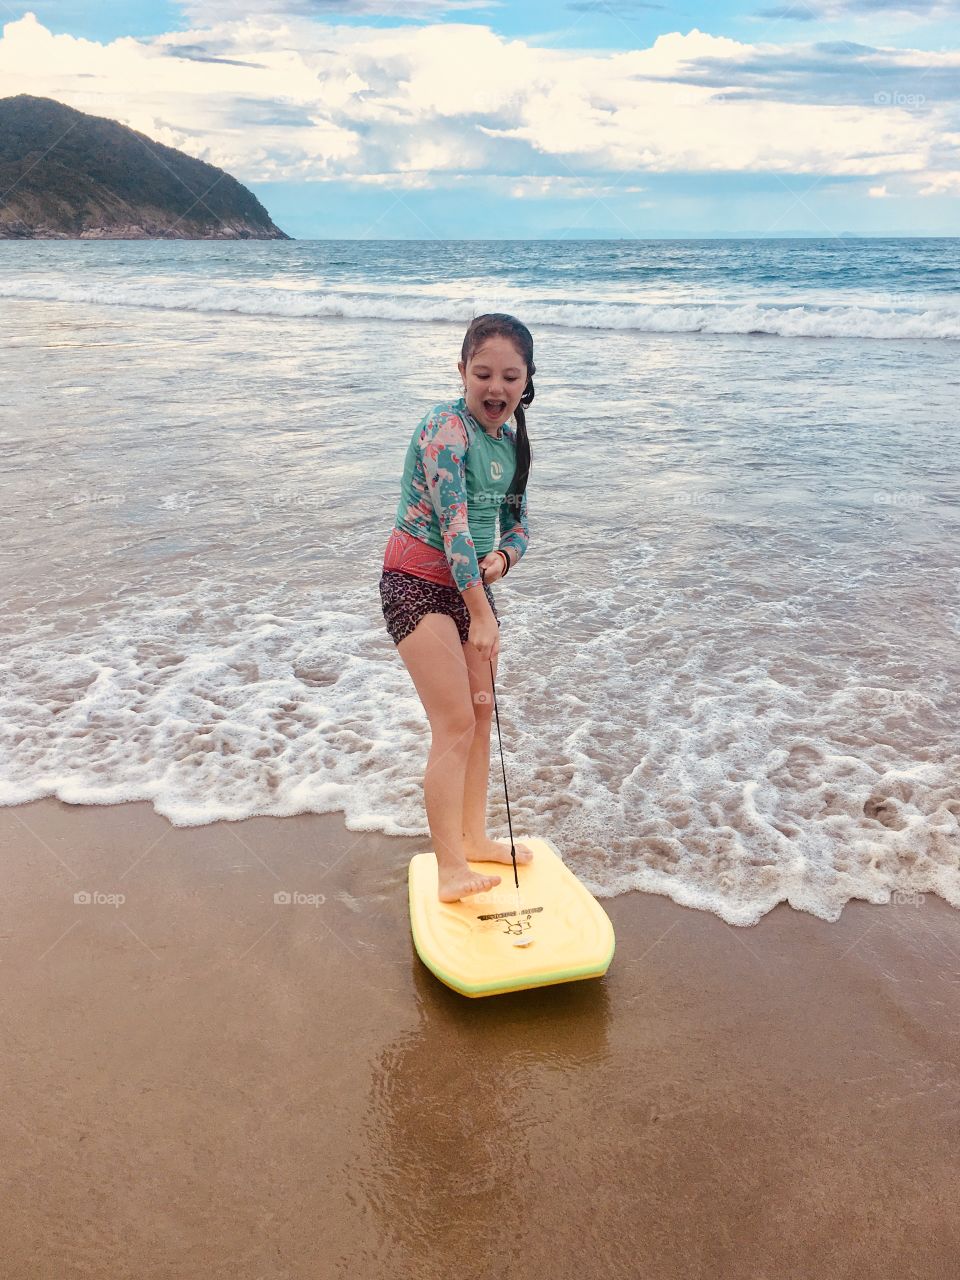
513	852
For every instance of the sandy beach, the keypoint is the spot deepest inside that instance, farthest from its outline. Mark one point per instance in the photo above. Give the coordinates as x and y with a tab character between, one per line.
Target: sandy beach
202	1082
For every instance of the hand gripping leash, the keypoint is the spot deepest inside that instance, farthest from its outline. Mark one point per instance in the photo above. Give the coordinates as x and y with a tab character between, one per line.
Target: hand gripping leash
520	941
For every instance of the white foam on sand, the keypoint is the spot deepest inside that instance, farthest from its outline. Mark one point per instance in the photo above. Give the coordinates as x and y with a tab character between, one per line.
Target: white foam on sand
654	757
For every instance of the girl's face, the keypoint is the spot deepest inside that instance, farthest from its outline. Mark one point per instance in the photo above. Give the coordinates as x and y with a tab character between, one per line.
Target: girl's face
495	378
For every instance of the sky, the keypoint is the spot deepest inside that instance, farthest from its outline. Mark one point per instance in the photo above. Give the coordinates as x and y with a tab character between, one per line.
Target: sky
457	119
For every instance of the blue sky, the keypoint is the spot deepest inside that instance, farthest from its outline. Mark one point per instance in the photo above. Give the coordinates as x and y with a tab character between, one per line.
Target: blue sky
602	24
579	119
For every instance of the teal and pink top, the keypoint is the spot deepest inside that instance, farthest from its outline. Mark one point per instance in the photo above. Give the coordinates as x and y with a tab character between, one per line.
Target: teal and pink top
452	499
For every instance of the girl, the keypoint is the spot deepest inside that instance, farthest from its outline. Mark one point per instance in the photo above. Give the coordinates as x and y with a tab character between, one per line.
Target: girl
464	467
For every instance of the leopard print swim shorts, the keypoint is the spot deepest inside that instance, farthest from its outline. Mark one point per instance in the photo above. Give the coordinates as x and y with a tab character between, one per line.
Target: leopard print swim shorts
406	599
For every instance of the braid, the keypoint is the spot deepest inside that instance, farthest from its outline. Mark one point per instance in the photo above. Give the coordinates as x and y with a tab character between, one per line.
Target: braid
519	486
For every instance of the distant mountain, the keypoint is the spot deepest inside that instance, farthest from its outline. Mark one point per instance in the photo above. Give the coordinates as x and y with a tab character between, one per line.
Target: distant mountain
68	175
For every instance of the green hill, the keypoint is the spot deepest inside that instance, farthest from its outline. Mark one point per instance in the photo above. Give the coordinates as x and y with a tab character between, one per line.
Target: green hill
68	175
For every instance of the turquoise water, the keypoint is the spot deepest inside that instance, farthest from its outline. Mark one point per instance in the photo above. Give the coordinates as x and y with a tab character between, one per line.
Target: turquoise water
798	288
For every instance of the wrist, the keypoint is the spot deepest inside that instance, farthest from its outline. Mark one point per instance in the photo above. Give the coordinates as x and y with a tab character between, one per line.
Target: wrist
475	598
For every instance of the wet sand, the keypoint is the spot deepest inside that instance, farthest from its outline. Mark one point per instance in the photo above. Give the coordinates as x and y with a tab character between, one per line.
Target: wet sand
201	1083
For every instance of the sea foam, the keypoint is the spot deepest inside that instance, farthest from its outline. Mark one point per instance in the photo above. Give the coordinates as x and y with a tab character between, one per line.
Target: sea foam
728	786
939	320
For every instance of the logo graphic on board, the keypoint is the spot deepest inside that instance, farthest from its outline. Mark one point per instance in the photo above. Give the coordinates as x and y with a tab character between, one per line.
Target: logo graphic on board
512	926
496	471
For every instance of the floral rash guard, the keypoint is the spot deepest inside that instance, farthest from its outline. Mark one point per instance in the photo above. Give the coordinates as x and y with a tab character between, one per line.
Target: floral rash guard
455	478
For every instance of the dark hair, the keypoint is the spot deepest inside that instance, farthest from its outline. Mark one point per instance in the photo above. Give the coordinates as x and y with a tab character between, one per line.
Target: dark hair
498	324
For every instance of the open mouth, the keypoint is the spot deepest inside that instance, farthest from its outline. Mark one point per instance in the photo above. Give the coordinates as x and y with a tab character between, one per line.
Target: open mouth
493	407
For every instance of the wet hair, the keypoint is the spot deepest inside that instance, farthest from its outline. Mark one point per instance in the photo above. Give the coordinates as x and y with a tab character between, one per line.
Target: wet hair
498	324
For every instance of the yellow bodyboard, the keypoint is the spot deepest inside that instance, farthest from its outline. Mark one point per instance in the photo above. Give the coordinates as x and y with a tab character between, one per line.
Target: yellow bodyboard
470	945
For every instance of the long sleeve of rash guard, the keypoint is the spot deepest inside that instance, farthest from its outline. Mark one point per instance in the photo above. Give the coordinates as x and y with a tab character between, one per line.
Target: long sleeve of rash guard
443	443
514	530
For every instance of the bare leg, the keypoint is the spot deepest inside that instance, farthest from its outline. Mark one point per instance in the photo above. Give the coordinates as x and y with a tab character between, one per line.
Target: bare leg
477	844
433	655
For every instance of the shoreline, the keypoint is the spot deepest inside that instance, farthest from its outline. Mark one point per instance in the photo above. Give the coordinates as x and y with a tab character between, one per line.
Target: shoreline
203	1082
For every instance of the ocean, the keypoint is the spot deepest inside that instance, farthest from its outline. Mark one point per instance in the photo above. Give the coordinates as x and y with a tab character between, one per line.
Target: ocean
730	664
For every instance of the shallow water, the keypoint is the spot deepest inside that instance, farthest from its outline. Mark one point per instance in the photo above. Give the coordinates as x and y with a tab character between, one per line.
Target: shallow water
730	658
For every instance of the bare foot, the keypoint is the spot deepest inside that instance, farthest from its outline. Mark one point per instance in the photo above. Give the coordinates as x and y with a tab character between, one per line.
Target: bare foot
457	883
488	850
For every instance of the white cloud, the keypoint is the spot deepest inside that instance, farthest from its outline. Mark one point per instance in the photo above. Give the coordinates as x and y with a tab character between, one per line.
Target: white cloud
942	184
567	188
419	106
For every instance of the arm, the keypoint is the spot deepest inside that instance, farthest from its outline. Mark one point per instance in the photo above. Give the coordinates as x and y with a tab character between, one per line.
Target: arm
514	530
443	444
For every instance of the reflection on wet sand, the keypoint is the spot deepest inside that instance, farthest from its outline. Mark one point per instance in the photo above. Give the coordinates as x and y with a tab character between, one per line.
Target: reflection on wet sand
453	1107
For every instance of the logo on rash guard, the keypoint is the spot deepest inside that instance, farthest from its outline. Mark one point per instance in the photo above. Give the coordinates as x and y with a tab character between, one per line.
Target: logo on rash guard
496	471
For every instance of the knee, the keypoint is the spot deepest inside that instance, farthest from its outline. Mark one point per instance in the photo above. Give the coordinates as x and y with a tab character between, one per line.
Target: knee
454	729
